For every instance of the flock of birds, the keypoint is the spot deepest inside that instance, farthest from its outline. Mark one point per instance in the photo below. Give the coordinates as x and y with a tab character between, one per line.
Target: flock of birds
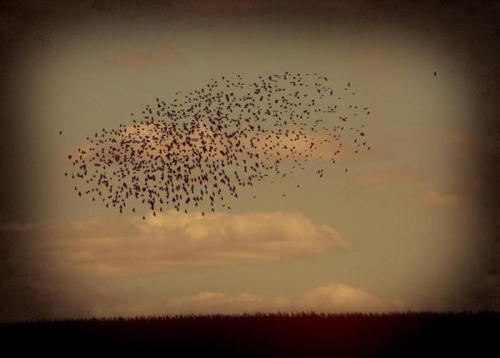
200	148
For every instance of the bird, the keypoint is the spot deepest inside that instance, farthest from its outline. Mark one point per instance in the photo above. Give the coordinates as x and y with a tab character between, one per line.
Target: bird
205	145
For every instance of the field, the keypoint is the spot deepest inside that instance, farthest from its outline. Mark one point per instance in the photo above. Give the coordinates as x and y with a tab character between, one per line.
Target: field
265	335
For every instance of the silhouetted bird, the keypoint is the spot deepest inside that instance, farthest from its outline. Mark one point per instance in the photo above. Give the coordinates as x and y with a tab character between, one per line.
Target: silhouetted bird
205	145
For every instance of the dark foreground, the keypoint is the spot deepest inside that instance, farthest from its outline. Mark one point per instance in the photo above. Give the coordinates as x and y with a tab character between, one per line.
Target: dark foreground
265	335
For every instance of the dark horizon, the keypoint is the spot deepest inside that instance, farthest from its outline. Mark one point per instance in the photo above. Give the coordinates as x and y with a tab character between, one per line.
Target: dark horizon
301	335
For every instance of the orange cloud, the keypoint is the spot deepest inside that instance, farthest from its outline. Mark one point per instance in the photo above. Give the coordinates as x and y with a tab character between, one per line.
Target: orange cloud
99	248
435	198
331	298
285	146
340	297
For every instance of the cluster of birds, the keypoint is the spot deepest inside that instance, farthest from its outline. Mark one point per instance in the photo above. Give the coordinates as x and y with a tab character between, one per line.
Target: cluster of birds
201	147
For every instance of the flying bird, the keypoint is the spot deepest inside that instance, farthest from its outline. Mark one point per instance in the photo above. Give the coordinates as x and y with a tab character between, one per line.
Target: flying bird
202	147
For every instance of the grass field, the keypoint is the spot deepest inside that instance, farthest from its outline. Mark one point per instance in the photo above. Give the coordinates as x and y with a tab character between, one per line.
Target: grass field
265	335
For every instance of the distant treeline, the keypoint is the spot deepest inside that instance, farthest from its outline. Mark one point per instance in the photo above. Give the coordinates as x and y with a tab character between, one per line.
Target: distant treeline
410	334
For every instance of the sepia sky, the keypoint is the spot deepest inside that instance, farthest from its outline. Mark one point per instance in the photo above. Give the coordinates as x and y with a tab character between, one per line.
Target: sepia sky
398	231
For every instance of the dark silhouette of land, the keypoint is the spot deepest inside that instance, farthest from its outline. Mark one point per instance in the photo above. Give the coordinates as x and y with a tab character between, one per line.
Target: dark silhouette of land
265	335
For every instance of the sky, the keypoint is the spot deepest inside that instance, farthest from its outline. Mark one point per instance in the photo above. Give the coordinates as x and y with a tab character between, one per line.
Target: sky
398	231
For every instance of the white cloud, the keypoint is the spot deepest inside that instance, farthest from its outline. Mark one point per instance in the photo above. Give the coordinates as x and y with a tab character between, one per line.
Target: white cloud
340	297
217	302
332	298
158	244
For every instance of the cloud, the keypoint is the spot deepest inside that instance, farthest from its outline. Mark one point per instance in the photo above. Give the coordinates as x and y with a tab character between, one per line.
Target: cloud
340	297
77	269
435	198
292	143
158	244
217	302
331	298
334	297
291	146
